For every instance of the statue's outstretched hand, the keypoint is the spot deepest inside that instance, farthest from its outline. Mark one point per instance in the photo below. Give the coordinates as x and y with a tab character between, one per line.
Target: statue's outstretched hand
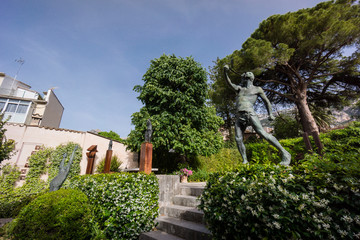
271	117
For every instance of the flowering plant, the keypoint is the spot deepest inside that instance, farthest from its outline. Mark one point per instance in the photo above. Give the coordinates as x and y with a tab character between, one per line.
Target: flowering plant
185	172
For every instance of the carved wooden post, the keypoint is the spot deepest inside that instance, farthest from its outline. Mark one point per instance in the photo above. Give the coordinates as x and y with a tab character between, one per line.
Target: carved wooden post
108	158
91	159
146	157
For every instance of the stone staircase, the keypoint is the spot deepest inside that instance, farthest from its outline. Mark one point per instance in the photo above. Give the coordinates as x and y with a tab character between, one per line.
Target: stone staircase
180	218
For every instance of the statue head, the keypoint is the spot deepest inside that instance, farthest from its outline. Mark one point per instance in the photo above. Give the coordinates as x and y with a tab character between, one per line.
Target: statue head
248	76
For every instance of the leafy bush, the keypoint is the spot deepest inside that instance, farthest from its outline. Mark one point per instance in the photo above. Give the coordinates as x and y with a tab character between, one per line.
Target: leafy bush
62	214
199	176
318	199
114	165
226	159
8	176
124	204
286	126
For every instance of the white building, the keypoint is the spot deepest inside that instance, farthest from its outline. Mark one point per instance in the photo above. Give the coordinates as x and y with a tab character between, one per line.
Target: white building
34	122
24	106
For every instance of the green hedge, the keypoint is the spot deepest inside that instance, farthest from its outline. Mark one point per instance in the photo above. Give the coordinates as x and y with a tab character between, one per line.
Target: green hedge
316	200
124	204
62	214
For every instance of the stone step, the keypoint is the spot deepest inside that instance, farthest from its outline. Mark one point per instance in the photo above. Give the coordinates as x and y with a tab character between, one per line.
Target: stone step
185	213
158	235
192	189
183	229
188	201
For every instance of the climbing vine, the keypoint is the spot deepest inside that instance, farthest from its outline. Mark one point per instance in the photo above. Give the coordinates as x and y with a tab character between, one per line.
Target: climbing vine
57	156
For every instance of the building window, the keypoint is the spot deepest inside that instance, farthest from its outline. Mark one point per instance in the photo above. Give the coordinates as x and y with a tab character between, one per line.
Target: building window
14	106
11	107
14	110
22	108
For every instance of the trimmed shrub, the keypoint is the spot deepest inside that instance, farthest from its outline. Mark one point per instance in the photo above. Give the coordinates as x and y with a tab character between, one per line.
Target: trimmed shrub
124	204
62	214
318	199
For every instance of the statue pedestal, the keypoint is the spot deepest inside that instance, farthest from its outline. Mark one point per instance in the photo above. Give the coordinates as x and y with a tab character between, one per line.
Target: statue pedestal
146	157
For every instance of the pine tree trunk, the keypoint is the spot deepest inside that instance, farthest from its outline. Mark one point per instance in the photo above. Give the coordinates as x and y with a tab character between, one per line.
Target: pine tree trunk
307	120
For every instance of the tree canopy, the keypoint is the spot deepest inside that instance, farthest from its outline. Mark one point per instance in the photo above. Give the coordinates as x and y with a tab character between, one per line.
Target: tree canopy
300	58
174	95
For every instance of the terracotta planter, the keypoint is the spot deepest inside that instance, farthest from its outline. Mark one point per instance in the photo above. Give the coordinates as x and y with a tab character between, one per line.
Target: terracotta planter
184	179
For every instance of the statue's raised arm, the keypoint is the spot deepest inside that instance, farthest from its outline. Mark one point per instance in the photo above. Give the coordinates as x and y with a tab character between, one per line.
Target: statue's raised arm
228	81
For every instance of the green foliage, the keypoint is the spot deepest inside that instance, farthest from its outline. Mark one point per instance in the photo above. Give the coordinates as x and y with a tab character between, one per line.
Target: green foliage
318	199
57	156
174	94
286	126
62	214
6	146
112	135
343	141
298	58
225	160
339	145
124	204
114	165
9	175
199	175
13	199
38	164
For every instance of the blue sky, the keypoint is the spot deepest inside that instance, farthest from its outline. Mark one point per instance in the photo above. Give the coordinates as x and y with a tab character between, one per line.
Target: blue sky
95	51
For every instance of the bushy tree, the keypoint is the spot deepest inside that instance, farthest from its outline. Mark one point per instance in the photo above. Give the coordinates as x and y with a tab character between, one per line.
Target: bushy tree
174	93
6	146
299	58
286	126
112	135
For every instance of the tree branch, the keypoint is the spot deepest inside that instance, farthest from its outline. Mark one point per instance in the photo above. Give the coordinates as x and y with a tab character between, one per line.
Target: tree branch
274	81
280	94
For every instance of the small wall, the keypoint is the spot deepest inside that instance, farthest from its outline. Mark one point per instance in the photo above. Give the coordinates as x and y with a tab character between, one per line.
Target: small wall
169	187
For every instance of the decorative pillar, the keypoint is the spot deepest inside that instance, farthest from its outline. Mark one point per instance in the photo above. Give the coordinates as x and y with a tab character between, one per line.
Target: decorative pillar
146	157
91	159
146	150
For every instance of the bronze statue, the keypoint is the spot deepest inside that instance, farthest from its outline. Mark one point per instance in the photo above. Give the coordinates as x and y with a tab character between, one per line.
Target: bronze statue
57	181
246	97
149	131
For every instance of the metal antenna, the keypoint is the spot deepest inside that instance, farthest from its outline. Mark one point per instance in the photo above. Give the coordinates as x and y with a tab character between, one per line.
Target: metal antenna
21	62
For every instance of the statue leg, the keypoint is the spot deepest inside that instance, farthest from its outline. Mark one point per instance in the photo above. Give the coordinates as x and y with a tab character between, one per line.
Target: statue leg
239	138
285	155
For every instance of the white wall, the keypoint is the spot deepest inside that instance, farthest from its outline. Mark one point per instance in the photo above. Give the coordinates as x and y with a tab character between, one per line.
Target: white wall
28	137
53	111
